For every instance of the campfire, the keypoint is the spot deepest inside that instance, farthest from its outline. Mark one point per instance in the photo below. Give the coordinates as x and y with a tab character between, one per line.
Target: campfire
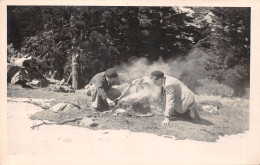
144	97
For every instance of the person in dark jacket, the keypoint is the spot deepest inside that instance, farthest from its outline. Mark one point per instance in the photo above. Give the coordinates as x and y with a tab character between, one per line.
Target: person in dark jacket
102	92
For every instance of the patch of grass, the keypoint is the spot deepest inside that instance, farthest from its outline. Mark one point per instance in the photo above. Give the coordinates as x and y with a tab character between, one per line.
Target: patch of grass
212	87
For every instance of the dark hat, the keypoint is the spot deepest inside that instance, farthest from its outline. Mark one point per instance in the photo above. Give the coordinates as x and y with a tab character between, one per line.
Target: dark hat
158	74
111	73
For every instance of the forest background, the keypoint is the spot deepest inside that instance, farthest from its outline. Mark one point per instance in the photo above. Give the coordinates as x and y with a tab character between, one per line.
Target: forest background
210	45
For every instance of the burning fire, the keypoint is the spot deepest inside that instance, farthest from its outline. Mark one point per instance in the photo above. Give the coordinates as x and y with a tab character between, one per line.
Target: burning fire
143	95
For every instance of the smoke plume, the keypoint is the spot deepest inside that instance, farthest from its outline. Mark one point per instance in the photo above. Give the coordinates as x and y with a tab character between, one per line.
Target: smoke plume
190	66
188	69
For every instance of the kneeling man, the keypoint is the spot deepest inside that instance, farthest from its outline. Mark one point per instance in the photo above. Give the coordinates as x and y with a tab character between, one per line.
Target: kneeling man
102	92
178	98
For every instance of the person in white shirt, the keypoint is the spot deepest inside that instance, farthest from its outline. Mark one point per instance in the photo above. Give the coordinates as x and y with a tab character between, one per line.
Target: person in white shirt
179	99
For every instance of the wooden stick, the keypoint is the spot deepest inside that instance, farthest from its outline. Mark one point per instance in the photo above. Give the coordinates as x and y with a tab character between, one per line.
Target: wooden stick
43	122
69	120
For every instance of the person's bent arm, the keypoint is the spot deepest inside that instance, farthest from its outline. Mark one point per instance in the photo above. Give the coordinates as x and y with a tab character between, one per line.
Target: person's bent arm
169	104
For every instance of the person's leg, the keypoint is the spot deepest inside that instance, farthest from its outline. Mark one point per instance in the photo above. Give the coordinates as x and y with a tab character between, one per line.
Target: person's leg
95	98
178	108
102	105
97	102
178	111
190	113
193	113
113	93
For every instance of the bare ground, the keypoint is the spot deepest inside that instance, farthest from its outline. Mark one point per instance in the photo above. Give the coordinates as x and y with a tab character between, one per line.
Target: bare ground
233	118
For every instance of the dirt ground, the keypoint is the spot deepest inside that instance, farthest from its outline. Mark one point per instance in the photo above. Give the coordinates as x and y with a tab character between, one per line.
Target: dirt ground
232	119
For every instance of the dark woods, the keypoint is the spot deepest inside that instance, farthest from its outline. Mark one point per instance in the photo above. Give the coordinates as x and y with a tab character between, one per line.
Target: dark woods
104	37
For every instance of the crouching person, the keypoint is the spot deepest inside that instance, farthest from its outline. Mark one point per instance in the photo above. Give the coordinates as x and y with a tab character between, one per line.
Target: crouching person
179	100
102	91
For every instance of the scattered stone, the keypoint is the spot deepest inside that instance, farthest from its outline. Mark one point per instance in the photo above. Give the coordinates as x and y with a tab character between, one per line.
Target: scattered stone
210	109
212	103
86	122
119	111
58	107
71	107
39	82
61	88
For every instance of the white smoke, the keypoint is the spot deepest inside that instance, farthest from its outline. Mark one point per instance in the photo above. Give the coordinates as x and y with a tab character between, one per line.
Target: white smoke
192	64
143	88
139	72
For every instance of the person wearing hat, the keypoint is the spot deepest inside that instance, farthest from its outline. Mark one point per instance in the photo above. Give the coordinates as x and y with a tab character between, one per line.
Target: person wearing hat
102	92
179	100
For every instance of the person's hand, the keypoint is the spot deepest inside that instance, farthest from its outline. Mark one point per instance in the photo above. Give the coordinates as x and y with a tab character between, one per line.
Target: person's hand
116	101
165	122
111	103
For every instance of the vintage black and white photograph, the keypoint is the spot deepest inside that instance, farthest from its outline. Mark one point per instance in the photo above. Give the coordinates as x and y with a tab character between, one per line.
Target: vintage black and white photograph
128	84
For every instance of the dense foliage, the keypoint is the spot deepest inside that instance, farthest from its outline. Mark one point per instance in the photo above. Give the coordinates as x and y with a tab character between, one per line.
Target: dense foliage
109	36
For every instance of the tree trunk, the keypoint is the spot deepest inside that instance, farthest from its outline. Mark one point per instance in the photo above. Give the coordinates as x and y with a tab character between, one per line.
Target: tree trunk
75	71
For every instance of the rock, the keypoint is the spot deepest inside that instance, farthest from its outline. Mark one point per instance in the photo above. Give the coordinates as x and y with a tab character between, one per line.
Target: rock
71	107
61	88
58	107
86	122
65	107
120	111
35	82
212	103
210	109
39	82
